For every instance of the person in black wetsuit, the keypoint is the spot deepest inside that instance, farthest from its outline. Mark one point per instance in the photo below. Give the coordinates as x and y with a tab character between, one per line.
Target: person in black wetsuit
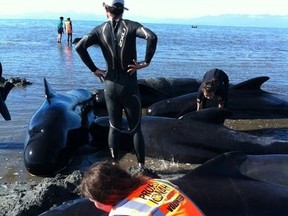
117	40
215	83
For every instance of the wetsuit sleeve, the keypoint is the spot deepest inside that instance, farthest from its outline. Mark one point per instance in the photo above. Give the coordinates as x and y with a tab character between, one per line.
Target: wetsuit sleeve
222	98
151	38
200	95
81	48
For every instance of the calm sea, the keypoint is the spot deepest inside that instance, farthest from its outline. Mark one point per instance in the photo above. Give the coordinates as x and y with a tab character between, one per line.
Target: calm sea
28	48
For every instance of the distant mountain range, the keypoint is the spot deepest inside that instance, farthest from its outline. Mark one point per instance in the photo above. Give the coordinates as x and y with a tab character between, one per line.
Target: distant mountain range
238	20
221	20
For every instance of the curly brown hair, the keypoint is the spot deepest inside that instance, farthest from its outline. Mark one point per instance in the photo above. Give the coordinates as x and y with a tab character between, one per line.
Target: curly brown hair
108	183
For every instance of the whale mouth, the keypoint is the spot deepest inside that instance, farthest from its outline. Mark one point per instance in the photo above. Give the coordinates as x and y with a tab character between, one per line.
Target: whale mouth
41	170
44	169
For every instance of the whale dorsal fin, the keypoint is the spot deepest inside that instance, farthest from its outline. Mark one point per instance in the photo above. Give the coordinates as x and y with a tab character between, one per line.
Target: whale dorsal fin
209	115
251	84
49	92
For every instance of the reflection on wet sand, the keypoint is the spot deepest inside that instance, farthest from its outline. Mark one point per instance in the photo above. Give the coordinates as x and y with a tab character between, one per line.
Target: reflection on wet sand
12	167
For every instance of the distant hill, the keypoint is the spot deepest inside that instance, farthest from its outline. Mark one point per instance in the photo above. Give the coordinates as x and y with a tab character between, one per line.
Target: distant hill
239	20
230	20
221	20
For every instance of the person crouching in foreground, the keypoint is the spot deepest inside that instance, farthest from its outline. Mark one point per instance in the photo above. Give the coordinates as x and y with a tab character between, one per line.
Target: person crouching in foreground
114	190
215	83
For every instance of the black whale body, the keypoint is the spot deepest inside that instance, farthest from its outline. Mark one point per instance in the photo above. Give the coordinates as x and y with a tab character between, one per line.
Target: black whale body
246	101
229	184
195	137
156	89
61	125
56	130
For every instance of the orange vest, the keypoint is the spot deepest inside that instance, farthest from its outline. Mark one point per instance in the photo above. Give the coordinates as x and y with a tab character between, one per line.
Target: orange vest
68	27
157	198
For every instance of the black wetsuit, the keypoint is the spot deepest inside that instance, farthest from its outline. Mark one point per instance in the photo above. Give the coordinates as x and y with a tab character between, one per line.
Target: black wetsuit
118	44
222	83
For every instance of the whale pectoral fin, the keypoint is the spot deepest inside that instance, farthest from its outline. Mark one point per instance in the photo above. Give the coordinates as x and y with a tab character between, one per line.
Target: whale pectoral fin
4	110
209	115
78	137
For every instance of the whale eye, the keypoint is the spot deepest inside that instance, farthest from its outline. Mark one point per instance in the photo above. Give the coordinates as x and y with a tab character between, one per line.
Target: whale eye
42	130
30	153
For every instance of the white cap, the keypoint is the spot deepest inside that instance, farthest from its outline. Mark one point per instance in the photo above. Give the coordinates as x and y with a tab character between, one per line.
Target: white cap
111	3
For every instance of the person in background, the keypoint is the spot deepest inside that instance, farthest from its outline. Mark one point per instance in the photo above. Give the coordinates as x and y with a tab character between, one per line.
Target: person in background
60	29
69	30
215	83
117	40
114	190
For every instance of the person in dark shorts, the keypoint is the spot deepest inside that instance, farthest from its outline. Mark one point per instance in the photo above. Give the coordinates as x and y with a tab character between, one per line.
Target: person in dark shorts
117	40
215	83
60	29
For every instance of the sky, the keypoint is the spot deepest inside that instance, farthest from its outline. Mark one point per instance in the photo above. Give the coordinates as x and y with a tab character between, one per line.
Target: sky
147	8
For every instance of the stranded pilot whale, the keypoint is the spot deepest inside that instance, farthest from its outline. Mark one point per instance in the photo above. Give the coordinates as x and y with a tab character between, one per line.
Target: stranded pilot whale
156	89
194	137
245	100
56	129
5	88
230	184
